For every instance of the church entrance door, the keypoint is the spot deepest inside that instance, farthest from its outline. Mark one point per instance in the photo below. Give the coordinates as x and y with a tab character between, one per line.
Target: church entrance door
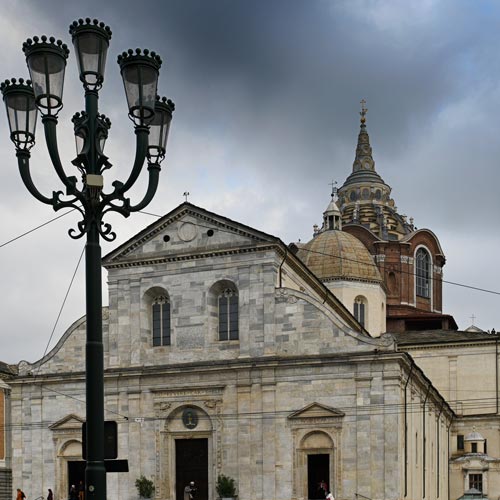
76	473
318	471
191	464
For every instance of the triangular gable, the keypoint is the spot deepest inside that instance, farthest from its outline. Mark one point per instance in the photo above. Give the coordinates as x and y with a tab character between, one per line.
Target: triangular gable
187	229
316	410
69	422
182	234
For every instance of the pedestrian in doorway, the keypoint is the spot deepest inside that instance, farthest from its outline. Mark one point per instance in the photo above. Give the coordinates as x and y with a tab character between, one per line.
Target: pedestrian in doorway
323	488
50	496
81	491
189	491
73	493
20	494
330	496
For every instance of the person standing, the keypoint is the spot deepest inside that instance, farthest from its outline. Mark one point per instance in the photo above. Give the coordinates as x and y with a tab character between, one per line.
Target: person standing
81	491
189	491
50	496
20	494
323	488
330	496
73	493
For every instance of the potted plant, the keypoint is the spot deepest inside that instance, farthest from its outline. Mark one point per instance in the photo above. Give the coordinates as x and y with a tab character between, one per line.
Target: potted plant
145	487
225	487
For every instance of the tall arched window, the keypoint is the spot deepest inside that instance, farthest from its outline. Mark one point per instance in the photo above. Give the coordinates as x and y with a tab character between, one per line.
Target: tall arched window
228	314
360	310
423	273
160	310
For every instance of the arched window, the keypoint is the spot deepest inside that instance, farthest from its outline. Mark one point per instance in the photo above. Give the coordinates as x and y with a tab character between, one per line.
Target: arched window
360	310
423	273
160	310
228	314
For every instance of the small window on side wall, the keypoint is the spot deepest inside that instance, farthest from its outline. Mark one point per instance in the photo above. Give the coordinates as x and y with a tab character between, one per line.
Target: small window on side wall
228	314
160	310
360	307
476	482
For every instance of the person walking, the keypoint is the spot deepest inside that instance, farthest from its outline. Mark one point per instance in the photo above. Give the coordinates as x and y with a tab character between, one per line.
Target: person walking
330	496
50	496
20	494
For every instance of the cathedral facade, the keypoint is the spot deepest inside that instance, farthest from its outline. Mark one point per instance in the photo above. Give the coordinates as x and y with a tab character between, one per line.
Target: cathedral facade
225	354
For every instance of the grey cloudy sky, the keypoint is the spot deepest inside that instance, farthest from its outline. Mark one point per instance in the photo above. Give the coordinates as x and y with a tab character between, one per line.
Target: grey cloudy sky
267	95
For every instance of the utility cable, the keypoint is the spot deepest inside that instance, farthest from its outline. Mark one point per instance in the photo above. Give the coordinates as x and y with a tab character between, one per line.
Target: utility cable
346	259
61	309
37	227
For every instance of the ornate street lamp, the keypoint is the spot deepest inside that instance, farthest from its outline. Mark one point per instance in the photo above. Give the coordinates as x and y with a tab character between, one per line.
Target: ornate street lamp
46	60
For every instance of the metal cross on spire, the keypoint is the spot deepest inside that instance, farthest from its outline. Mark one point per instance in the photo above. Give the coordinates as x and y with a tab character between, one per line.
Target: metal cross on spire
472	318
334	188
363	111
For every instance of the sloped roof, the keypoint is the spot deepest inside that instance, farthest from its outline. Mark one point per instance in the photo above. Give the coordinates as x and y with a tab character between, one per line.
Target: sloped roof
441	337
126	249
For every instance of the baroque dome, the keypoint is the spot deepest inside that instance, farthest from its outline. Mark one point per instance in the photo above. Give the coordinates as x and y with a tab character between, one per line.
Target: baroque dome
337	255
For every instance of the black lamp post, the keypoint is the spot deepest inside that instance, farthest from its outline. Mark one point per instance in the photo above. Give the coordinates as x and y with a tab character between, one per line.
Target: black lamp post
151	116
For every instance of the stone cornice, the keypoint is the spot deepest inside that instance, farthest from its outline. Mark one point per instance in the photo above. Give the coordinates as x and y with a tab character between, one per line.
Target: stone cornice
162	259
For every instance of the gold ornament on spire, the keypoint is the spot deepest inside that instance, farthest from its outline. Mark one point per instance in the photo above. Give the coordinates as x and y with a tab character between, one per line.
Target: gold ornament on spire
363	111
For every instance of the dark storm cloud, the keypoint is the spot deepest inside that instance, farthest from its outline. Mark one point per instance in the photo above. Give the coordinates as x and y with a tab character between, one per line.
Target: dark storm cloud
267	95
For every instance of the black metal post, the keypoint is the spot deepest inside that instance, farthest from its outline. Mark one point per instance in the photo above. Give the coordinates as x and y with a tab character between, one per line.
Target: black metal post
95	472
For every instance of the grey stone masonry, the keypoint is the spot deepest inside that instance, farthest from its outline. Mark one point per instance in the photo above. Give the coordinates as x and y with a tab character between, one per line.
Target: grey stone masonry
300	377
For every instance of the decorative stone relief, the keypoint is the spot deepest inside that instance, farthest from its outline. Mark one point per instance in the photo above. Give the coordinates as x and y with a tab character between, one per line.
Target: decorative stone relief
162	409
407	260
187	231
283	295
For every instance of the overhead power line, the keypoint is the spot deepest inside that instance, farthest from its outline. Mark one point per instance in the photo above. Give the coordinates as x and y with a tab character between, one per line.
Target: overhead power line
346	259
37	227
351	413
61	309
454	283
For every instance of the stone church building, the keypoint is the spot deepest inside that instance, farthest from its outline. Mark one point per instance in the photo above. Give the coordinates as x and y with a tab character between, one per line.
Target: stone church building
282	366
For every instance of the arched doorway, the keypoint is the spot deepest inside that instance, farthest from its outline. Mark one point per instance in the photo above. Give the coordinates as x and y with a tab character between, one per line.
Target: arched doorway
315	465
187	452
71	467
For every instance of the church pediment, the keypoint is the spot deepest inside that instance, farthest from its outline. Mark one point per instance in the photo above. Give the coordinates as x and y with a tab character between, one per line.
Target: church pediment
187	231
314	411
68	423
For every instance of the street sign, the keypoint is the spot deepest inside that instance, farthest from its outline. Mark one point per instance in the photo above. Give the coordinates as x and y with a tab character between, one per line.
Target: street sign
110	440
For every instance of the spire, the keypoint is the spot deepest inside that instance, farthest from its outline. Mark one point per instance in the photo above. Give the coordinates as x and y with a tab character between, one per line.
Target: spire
365	198
331	216
364	158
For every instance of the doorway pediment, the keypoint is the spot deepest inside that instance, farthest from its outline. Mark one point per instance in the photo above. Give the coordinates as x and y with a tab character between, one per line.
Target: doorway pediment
314	411
70	422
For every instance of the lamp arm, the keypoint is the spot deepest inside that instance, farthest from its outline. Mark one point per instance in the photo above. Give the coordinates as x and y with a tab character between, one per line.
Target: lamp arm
154	176
142	134
23	160
49	125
